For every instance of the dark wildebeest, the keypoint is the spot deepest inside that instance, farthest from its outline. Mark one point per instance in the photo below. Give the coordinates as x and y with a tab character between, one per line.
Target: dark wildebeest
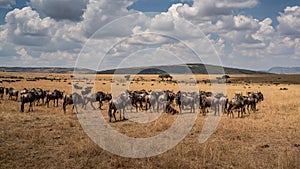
28	97
182	99
12	93
236	103
73	99
55	96
138	97
208	101
40	95
249	102
118	103
257	97
97	97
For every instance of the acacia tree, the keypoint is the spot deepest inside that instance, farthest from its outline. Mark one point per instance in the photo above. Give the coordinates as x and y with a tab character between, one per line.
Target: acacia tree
165	76
226	77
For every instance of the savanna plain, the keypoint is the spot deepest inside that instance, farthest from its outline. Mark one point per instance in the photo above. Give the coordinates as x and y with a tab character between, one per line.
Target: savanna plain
48	138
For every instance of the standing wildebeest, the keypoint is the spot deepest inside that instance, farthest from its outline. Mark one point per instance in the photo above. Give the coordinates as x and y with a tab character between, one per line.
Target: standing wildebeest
257	97
236	103
118	103
97	97
208	101
55	96
40	95
182	99
12	92
151	100
73	99
138	97
223	101
28	97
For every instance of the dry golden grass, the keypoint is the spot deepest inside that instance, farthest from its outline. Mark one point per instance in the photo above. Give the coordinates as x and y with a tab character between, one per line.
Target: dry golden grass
48	138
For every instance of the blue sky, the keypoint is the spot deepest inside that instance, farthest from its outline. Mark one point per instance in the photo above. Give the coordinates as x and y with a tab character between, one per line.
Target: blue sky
252	34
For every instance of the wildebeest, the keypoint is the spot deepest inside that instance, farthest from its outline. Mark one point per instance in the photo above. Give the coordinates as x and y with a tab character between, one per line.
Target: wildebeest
118	103
182	99
28	97
236	103
138	97
223	101
55	96
12	93
151	100
40	94
73	99
97	97
258	97
208	101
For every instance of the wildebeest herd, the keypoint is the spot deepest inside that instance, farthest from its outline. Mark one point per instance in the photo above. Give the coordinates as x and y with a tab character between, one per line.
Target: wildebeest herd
142	100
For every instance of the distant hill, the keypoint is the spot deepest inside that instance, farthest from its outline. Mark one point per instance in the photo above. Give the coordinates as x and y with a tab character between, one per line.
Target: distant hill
284	70
43	70
181	69
175	69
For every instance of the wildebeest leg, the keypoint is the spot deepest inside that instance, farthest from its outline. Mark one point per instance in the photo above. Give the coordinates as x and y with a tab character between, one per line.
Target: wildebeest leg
240	113
193	107
30	106
218	109
74	106
22	107
100	105
114	114
64	107
148	103
109	114
254	106
124	118
91	103
180	108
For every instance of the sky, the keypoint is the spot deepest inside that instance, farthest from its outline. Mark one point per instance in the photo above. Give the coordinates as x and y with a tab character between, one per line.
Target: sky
104	34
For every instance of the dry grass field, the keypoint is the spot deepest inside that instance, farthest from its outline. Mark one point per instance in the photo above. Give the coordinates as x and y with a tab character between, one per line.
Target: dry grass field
48	138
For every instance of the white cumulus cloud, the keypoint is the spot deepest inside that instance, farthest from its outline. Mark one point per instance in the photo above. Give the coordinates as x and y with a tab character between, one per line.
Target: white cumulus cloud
7	3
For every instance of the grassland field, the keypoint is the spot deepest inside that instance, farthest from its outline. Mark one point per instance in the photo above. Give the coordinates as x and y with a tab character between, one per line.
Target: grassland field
48	138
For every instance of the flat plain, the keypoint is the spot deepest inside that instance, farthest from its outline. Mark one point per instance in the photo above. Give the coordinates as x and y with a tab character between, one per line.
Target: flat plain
48	138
